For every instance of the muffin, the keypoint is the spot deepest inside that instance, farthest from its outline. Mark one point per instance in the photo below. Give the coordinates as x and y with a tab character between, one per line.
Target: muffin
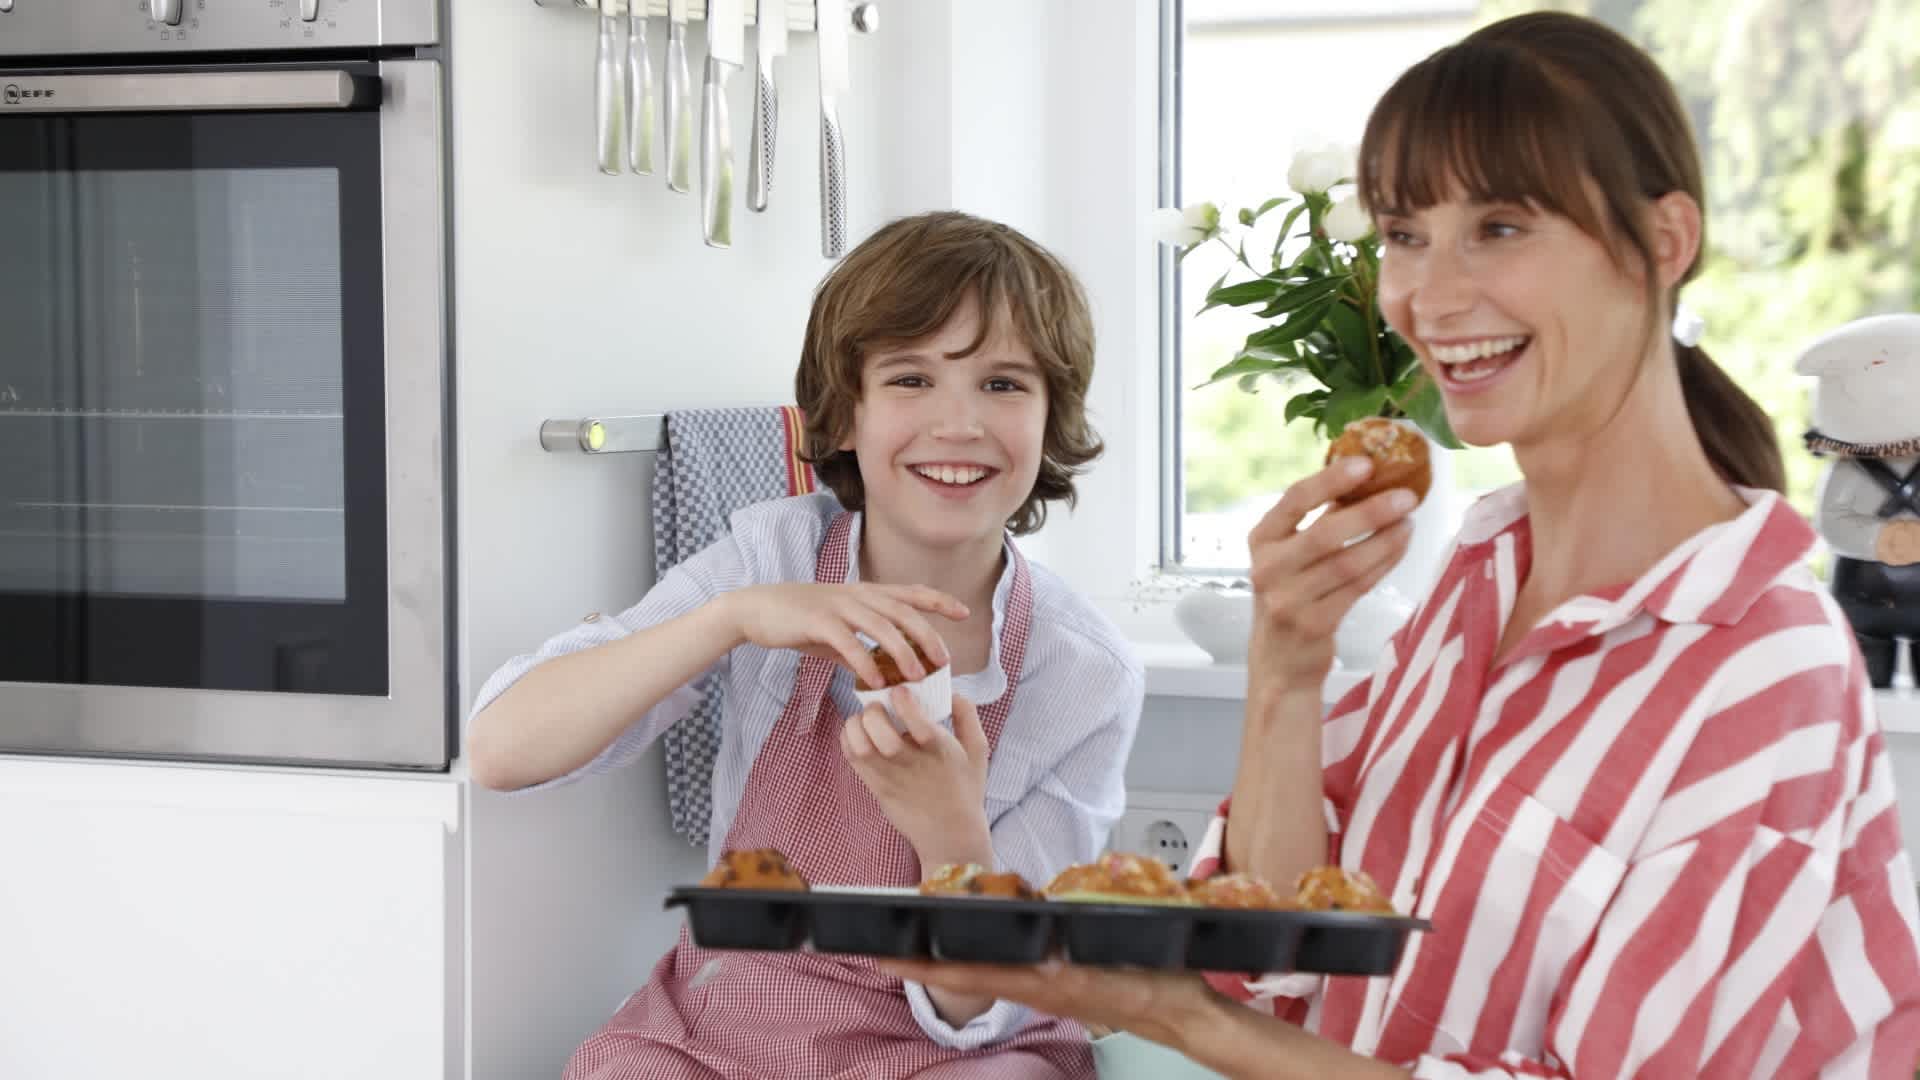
1115	877
890	673
1399	454
1243	891
762	868
972	879
1331	888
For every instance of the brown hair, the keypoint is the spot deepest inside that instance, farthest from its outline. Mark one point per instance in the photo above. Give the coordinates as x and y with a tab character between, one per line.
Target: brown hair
903	283
1524	110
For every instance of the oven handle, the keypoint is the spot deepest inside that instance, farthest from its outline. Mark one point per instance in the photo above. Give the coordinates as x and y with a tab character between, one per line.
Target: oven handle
211	91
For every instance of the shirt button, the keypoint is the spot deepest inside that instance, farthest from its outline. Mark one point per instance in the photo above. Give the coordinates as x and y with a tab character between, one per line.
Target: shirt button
705	975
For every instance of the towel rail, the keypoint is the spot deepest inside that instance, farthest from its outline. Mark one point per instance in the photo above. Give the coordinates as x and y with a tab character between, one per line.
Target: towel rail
642	434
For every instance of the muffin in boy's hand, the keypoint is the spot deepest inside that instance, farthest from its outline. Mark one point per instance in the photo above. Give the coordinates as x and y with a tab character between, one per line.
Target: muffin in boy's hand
890	674
1398	452
933	693
761	868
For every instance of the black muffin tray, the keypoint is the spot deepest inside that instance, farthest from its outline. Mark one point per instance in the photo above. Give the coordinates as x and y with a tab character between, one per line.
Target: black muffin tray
903	923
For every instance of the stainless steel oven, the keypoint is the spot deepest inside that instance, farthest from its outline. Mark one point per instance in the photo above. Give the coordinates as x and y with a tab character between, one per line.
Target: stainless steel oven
223	375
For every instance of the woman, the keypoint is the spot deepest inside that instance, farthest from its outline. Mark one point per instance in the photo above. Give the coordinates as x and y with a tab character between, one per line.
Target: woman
1624	757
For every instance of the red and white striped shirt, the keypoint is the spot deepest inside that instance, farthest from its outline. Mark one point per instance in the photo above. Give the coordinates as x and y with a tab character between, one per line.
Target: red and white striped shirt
1659	840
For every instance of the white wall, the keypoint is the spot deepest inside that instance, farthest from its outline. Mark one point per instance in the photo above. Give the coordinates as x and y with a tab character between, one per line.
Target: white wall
577	293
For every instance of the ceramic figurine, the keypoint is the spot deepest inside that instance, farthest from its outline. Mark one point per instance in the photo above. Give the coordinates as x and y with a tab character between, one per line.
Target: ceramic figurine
1866	421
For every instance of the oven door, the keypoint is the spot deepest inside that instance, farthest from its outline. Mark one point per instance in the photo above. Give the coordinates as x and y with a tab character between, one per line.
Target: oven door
221	414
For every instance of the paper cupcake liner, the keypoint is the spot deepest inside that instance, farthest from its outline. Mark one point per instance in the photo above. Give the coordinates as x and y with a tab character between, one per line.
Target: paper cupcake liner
934	694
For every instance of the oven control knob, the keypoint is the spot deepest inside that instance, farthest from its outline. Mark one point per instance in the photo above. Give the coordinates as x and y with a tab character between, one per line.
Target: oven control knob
309	10
166	11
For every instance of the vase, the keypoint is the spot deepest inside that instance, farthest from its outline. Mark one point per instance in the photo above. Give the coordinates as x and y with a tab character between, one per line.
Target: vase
1218	620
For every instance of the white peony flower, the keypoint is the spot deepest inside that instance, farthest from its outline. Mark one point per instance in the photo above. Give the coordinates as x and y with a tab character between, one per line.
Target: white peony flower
1317	170
1346	220
1185	228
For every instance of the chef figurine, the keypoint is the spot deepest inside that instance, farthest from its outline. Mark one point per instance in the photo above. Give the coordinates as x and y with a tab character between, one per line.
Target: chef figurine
1866	417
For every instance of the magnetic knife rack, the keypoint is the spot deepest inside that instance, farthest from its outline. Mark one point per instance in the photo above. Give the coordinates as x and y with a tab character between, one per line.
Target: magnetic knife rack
800	13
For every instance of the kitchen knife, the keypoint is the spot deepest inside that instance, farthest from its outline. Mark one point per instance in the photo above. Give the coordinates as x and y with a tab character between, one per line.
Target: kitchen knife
679	100
770	40
642	111
726	49
609	84
830	29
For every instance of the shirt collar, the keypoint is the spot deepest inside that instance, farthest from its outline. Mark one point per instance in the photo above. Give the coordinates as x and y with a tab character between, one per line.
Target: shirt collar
1712	578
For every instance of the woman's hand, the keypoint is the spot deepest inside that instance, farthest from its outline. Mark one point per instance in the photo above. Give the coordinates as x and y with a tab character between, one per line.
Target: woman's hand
930	782
821	620
1167	1007
1306	580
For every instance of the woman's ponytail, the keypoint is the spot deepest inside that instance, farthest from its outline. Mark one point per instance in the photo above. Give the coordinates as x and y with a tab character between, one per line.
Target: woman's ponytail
1736	432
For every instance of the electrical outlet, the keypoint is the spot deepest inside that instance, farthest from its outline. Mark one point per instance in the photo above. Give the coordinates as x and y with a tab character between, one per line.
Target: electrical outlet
1164	824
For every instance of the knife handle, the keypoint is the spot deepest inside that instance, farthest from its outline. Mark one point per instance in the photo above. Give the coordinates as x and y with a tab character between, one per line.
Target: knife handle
833	182
766	127
642	111
609	94
716	157
679	111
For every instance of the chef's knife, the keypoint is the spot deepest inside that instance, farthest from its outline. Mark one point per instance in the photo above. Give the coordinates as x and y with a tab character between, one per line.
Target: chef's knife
726	50
609	84
643	112
679	100
830	29
770	40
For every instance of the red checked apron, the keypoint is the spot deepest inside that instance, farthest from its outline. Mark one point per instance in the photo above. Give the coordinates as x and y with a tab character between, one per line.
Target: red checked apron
775	1016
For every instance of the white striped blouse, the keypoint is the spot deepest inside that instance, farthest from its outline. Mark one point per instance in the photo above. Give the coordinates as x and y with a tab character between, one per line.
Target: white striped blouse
1659	840
1055	785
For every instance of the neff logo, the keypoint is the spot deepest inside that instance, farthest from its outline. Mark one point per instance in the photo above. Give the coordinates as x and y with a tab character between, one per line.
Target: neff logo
14	94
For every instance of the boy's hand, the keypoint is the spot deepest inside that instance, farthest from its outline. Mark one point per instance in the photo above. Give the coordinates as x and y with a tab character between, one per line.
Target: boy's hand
931	783
822	619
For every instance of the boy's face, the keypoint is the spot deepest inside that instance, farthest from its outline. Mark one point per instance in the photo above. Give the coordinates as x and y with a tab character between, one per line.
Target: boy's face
949	446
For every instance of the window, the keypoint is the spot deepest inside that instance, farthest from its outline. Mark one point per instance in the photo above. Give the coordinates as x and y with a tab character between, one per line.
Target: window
1810	133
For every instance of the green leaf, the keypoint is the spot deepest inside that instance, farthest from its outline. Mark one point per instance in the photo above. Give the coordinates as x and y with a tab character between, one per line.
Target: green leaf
1246	216
1299	323
1286	229
1350	336
1243	364
1242	293
1420	399
1295	297
1307	404
1346	406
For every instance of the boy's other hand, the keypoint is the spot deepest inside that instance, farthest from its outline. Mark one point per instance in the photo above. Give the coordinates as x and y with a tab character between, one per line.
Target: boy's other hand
821	620
930	782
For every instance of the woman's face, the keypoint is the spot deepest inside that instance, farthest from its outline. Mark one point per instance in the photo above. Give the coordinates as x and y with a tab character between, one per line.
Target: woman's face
1528	325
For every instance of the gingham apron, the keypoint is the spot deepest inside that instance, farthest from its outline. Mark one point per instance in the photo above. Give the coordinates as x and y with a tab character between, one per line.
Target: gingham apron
774	1016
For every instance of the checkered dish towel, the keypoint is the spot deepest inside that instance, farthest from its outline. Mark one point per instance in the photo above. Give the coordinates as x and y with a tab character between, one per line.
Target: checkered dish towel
711	463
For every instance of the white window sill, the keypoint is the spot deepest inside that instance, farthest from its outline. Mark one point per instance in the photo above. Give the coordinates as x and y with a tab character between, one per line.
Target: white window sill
1178	669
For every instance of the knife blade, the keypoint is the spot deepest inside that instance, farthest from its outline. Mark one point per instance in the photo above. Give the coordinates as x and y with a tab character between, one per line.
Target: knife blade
830	29
609	84
679	100
770	40
726	33
642	111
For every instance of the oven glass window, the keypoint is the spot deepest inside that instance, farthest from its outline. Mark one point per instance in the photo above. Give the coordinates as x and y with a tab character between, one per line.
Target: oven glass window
191	428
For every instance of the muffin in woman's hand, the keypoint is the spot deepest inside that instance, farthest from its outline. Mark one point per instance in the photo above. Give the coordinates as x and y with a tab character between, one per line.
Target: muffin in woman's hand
1133	879
972	879
1399	454
760	868
933	693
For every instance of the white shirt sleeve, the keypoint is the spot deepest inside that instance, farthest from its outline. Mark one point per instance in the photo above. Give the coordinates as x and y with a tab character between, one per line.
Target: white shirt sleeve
698	579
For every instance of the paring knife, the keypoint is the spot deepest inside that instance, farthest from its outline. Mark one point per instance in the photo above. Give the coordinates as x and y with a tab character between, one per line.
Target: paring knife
726	51
642	111
609	84
770	40
830	28
679	100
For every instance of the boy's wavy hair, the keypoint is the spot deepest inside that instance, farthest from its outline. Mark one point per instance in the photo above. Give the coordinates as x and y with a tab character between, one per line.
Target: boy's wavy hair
902	284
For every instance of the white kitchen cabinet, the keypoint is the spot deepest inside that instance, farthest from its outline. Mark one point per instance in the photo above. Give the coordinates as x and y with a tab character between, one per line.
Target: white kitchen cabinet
177	921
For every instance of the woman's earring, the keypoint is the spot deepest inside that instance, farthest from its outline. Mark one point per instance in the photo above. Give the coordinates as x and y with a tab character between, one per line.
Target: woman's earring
1688	326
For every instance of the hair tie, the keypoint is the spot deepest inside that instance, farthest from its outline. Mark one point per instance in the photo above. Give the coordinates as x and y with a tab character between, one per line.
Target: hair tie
1688	326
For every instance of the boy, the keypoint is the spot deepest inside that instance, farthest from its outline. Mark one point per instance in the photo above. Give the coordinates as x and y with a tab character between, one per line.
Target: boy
943	381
